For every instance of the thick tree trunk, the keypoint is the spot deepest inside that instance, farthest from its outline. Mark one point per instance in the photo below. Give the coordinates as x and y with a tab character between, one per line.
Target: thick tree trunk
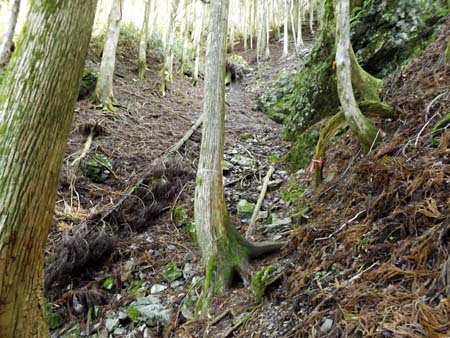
152	18
142	55
365	131
104	90
7	42
37	98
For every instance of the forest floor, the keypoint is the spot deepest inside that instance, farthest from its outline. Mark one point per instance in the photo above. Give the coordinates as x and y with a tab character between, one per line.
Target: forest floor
105	251
367	250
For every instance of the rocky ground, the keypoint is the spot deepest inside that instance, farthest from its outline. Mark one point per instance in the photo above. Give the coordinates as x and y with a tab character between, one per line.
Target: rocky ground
129	267
366	253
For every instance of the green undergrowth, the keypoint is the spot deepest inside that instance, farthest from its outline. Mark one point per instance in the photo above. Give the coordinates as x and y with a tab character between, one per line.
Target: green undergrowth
302	151
265	277
385	35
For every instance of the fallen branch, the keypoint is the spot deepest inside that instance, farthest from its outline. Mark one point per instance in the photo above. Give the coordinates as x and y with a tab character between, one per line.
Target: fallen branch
87	146
186	136
262	194
173	149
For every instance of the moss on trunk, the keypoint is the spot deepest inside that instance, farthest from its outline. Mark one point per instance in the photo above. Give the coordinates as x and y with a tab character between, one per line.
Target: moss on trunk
37	98
327	133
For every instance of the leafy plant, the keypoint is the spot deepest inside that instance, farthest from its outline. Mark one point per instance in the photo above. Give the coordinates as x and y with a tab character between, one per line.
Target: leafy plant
133	314
108	283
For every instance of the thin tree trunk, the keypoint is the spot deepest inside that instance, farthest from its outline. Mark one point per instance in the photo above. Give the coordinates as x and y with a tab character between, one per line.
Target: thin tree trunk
365	131
167	70
311	16
291	15
300	23
184	30
267	52
286	29
224	250
104	89
142	58
198	29
247	23
37	99
7	42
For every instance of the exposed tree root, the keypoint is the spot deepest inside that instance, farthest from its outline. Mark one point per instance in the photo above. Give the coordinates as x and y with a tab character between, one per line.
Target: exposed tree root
91	241
233	259
368	89
332	128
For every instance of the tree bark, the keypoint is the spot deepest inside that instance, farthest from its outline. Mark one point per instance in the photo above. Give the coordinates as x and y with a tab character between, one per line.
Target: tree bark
286	28
224	250
311	16
37	98
167	70
142	54
7	42
197	37
300	23
104	89
365	131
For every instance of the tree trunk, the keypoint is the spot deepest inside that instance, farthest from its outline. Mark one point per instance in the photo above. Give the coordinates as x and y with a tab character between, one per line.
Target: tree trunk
152	18
224	250
37	98
300	23
247	23
198	29
167	70
286	29
7	42
184	32
291	15
142	58
360	125
104	89
261	38
266	17
311	16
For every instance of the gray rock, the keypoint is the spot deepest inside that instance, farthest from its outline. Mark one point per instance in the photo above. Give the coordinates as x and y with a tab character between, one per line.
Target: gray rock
112	322
123	315
245	208
188	271
278	222
275	184
74	332
175	284
227	166
151	311
189	256
243	161
157	288
120	331
263	215
326	325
